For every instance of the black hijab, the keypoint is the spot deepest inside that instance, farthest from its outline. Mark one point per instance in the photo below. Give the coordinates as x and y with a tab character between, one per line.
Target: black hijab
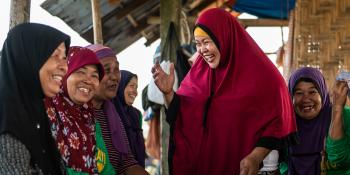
22	111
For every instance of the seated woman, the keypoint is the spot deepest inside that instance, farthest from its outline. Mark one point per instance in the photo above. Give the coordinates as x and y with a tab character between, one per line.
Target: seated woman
338	140
131	117
71	113
33	62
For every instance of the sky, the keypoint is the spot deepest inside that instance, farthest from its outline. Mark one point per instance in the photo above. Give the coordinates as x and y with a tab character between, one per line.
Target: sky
137	58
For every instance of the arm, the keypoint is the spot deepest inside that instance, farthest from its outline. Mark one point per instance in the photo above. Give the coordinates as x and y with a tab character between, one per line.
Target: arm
337	143
250	164
336	130
15	157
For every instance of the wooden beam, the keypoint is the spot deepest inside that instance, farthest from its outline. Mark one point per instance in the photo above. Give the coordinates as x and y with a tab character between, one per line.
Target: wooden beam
19	12
96	20
263	22
120	13
135	24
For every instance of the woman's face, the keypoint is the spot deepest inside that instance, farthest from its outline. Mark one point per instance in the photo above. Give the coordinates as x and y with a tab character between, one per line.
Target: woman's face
130	91
52	72
207	48
307	100
82	84
110	82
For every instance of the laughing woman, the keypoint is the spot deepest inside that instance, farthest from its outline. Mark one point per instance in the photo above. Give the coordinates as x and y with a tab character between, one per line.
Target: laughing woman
71	113
131	117
33	62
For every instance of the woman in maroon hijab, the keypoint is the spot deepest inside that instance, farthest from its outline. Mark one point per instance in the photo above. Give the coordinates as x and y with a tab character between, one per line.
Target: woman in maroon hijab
233	106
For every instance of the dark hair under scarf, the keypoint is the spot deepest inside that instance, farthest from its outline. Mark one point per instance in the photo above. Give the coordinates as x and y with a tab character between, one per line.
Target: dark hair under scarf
22	112
131	119
305	158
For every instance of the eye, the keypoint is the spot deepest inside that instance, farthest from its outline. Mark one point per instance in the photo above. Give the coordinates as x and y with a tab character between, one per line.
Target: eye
95	75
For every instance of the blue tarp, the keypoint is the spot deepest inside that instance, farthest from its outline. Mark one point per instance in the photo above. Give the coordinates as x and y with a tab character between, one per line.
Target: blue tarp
277	9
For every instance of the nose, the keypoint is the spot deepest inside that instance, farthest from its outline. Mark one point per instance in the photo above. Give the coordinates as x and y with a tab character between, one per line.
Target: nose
63	65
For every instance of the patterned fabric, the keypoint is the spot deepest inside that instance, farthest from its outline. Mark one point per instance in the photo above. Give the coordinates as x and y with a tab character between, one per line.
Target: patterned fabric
72	126
120	163
15	157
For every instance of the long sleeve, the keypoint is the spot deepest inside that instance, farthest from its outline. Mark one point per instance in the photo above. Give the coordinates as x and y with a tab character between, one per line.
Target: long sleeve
338	150
173	109
14	157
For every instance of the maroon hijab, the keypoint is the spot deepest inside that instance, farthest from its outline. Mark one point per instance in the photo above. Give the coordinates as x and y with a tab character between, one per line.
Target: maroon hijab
73	125
249	103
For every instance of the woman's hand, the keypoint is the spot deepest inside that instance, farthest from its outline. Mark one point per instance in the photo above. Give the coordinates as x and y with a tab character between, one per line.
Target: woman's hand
251	163
340	91
164	81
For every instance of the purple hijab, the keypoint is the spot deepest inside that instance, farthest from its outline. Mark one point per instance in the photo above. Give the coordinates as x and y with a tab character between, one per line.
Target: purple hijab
130	117
305	158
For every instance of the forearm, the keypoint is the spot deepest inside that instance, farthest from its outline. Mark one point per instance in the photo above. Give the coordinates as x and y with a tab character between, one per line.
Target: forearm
168	98
259	153
336	129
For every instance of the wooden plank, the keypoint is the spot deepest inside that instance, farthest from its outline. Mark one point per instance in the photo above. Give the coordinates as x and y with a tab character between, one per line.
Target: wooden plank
128	8
263	22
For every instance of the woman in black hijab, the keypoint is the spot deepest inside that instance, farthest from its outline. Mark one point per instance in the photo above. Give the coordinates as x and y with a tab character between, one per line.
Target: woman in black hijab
33	62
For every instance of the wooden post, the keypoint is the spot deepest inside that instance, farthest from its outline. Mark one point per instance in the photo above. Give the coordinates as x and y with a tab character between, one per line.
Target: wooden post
169	12
96	21
288	64
19	12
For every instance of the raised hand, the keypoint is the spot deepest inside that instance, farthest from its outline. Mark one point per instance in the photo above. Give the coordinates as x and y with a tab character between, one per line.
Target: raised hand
340	91
164	81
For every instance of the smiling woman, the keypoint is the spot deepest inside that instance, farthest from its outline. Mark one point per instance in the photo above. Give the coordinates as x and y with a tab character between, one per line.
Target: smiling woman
71	113
32	65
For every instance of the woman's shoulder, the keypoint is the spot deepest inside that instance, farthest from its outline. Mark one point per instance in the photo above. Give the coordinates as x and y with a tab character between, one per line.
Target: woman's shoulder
15	157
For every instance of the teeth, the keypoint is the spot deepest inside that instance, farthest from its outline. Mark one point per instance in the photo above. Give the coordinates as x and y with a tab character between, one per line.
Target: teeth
56	77
84	90
308	108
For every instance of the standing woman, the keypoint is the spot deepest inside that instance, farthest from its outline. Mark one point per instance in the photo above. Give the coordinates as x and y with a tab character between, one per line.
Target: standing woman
313	115
131	117
33	63
225	118
71	113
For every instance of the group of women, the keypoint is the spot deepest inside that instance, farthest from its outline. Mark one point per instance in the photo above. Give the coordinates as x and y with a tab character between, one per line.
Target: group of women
234	109
75	115
60	113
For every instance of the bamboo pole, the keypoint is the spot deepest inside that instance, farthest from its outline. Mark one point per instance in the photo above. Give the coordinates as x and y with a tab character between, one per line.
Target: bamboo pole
19	12
96	20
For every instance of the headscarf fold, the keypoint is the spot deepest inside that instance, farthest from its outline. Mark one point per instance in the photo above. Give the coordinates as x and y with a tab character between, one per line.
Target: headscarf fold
114	121
305	158
130	117
73	125
22	113
249	103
